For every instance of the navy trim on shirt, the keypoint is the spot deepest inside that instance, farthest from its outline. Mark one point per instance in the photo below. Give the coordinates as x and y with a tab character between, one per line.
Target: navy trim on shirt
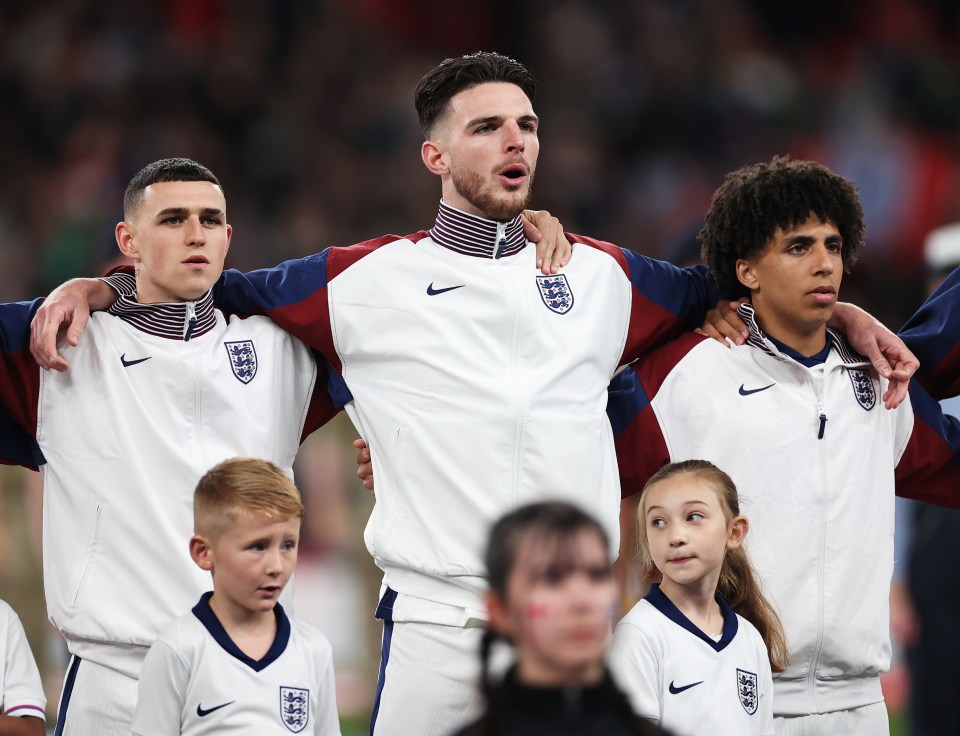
659	600
810	361
212	624
835	340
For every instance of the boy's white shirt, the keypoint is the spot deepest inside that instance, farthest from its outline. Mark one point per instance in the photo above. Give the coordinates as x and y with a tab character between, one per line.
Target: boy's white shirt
195	681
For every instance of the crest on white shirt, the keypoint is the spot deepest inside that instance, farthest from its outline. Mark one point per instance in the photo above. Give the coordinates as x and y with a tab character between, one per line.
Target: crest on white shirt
243	359
294	708
556	293
863	388
747	690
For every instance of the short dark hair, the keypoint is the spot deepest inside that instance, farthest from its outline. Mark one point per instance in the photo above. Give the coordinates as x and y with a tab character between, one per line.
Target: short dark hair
166	169
452	76
754	201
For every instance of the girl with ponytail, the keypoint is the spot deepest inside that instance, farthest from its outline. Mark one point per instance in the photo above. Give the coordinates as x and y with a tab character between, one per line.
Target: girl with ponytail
696	654
552	597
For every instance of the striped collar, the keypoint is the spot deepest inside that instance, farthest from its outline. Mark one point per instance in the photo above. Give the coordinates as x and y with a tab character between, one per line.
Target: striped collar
471	235
838	342
172	320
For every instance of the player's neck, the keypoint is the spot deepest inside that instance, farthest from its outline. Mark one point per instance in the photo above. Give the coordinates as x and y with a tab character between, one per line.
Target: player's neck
806	336
252	631
697	601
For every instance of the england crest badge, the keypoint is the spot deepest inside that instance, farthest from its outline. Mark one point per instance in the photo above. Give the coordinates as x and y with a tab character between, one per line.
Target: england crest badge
243	359
863	388
294	708
747	690
555	292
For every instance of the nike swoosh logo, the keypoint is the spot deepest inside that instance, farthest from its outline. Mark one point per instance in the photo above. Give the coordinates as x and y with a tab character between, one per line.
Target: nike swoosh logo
433	292
205	712
128	363
748	391
674	689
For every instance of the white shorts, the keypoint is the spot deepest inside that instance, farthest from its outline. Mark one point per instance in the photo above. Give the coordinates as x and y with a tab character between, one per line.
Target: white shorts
429	677
867	720
95	701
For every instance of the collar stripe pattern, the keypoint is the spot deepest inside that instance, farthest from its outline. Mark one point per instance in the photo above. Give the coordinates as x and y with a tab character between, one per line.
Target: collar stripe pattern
471	235
165	320
850	357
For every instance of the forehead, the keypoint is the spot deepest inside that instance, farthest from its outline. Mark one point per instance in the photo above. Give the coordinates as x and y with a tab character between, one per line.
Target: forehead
490	99
257	524
538	552
182	194
678	490
812	227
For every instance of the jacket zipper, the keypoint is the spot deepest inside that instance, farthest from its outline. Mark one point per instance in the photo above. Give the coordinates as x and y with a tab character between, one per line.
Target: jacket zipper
518	406
190	322
822	541
501	240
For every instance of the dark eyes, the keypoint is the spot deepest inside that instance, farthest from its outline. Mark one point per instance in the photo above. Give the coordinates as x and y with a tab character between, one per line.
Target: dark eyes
525	127
831	247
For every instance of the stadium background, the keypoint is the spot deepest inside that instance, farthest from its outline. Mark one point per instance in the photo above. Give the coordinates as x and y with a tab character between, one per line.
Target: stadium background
304	110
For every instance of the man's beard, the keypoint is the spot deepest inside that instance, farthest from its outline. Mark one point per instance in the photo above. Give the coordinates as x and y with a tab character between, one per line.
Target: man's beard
469	185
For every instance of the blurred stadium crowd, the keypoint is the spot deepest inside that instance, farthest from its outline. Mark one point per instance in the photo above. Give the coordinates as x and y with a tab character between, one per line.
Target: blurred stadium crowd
304	110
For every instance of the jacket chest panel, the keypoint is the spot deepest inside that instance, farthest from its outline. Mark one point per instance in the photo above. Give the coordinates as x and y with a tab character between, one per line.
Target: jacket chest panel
466	327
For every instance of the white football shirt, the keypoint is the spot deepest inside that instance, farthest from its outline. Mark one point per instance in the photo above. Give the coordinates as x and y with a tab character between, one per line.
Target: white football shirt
21	693
690	683
196	681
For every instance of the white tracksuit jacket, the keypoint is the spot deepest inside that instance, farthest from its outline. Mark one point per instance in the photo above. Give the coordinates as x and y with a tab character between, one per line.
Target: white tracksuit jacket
815	457
479	383
126	433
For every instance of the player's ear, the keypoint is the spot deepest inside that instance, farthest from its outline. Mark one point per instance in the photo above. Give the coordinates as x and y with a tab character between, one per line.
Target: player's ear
747	273
738	532
201	552
433	153
125	242
229	236
497	611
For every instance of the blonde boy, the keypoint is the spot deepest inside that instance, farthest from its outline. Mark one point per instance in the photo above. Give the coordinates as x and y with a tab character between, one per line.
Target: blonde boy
236	663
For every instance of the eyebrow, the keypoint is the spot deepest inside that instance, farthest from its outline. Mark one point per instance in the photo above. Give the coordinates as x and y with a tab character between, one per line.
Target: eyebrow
810	240
499	119
693	502
186	211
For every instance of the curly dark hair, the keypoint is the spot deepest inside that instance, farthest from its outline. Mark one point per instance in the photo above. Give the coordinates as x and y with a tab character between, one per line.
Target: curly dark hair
452	76
754	201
